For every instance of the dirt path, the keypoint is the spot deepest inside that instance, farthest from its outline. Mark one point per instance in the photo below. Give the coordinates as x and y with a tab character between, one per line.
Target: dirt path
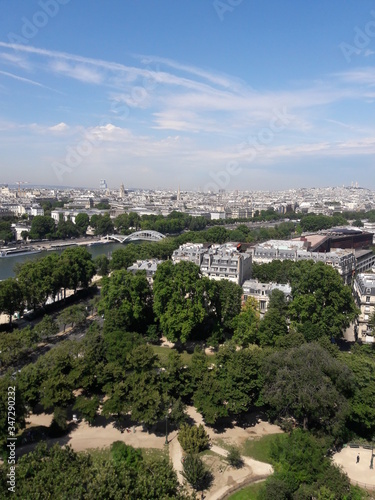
83	437
258	468
358	473
175	455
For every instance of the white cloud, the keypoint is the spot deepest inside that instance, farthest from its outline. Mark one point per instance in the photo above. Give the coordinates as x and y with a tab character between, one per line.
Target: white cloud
22	79
78	72
60	127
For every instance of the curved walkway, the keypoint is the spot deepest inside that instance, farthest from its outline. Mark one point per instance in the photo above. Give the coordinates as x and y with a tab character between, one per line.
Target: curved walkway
359	473
226	479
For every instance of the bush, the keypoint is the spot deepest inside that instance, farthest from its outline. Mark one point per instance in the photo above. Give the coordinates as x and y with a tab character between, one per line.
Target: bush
195	473
123	454
234	457
193	439
59	424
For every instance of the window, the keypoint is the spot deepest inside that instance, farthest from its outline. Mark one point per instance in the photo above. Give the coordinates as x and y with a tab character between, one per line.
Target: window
262	305
367	299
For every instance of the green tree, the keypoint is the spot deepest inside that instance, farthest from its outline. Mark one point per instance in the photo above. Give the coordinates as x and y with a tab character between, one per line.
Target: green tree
102	265
237	373
11	297
226	302
42	227
59	424
303	470
180	299
6	233
7	384
126	301
192	438
74	315
362	402
77	268
234	457
46	328
308	384
59	472
246	324
272	327
195	472
66	229
321	298
209	399
102	224
82	222
87	407
124	455
121	223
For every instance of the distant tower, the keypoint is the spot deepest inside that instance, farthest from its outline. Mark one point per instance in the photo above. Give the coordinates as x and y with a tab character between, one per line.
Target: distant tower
178	194
122	191
103	185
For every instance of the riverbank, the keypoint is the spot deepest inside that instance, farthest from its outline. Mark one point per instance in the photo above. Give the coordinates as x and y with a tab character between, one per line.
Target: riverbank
94	246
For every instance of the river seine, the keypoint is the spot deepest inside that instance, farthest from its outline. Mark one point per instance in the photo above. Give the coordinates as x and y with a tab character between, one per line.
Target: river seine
7	264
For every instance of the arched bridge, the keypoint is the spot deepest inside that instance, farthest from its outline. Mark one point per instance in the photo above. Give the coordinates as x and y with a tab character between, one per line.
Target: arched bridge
146	235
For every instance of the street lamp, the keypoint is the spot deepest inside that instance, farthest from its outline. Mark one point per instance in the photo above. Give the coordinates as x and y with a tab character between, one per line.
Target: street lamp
166	429
372	455
166	422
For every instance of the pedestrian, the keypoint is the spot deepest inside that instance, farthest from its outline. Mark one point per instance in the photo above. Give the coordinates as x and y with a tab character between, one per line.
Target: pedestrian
357	458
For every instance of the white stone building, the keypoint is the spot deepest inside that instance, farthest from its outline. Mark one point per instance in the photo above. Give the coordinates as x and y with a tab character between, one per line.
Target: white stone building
364	293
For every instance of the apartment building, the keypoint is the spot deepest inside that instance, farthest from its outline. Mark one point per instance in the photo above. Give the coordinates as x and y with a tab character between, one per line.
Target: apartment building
217	261
226	262
190	252
261	292
364	293
341	259
150	266
365	260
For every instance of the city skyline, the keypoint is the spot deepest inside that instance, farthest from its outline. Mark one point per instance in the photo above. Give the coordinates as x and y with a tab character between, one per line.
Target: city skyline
216	95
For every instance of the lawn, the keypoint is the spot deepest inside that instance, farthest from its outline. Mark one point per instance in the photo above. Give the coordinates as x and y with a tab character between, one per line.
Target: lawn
162	353
155	453
259	449
147	453
247	493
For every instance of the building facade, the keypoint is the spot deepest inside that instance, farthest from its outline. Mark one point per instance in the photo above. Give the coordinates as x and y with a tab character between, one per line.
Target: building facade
261	292
217	261
342	260
364	293
226	262
150	266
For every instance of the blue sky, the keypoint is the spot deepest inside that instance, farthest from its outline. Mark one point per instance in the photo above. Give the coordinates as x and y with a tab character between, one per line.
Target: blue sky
207	94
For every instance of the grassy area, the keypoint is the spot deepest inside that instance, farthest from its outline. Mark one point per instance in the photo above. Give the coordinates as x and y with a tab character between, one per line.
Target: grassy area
247	493
259	449
155	453
147	453
99	453
162	353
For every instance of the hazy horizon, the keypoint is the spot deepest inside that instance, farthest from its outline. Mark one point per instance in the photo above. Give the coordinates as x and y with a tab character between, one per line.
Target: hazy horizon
219	94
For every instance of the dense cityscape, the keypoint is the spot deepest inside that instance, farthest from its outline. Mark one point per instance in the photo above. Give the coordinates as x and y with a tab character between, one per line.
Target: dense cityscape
187	252
196	298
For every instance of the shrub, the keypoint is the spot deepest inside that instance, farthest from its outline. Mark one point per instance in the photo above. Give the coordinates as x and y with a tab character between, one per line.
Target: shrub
192	438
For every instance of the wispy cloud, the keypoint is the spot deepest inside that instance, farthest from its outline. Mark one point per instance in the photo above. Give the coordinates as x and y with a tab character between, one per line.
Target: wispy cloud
25	80
78	72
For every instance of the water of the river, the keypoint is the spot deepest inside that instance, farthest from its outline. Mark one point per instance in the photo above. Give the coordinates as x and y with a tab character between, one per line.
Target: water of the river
7	263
